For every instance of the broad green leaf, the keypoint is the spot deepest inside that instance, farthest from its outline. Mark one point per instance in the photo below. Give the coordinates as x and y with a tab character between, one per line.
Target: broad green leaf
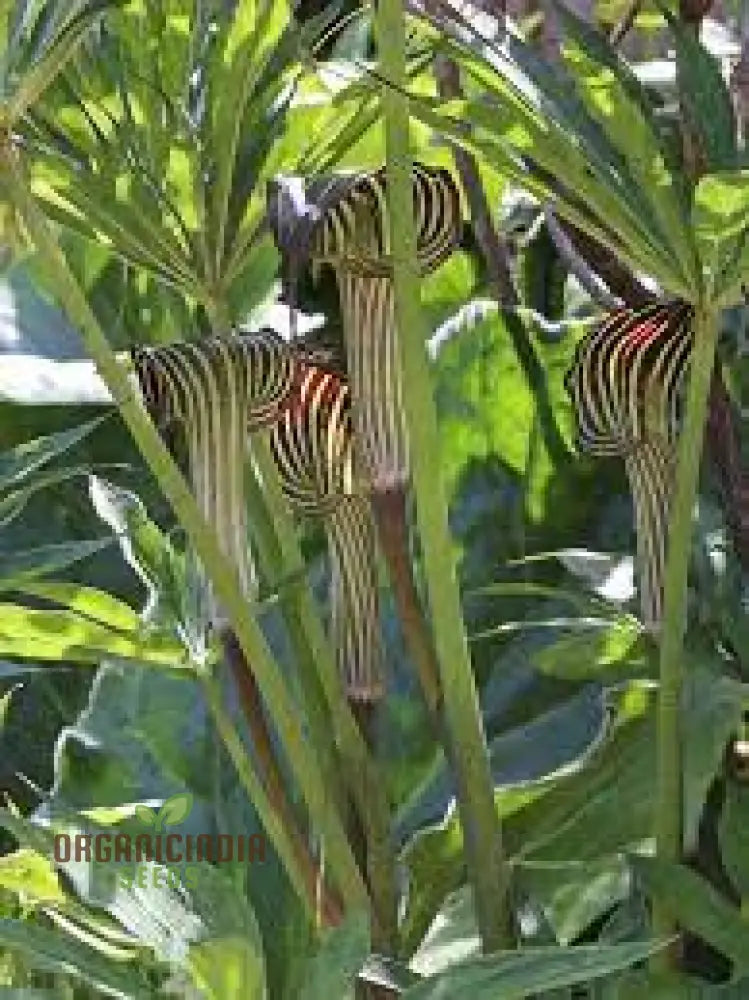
88	602
63	635
721	206
47	949
16	465
720	217
24	872
601	809
590	811
713	713
515	976
591	653
493	381
555	740
734	838
695	905
573	893
331	971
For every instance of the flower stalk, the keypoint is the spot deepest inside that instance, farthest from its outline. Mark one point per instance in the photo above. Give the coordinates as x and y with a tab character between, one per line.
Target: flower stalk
668	816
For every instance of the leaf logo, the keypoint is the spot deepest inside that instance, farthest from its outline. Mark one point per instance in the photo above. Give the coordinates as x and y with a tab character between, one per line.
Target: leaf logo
172	812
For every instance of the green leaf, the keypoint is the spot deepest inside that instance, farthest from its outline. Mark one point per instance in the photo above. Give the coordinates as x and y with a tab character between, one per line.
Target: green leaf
720	217
618	102
453	936
601	809
175	810
331	971
18	463
713	713
229	968
17	567
534	118
574	894
47	949
88	602
734	838
515	976
590	652
14	503
59	50
149	552
24	872
695	905
707	102
35	634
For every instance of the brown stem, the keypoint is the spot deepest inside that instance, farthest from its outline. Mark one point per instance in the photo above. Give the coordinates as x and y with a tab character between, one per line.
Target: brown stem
389	505
617	278
493	247
724	450
588	279
251	704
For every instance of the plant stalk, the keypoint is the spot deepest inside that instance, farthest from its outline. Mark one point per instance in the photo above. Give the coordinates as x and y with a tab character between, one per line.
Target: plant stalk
280	558
249	697
270	678
668	817
484	853
283	842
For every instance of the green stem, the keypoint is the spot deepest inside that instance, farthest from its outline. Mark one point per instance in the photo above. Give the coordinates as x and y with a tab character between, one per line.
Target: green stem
271	820
281	558
468	751
269	676
668	818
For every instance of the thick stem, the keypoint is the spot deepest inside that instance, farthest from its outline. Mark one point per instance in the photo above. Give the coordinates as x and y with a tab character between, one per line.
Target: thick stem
668	817
390	512
281	559
493	247
275	786
223	578
484	854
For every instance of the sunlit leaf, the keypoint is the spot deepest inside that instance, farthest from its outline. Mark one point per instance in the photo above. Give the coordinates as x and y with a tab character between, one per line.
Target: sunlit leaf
28	873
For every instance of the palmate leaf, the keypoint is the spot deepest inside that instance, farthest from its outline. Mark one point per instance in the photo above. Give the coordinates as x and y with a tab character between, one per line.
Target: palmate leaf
706	99
42	39
618	102
551	136
161	138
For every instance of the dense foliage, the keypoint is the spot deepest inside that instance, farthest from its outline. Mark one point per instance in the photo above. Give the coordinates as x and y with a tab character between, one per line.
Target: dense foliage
594	761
